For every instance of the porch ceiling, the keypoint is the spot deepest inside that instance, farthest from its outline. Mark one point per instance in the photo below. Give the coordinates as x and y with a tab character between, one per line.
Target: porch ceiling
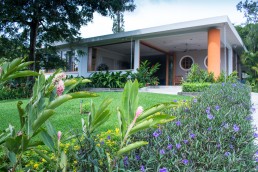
182	42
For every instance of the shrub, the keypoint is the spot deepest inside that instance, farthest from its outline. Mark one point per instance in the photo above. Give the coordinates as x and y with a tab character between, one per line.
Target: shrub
109	79
195	87
211	133
196	74
15	89
230	78
145	73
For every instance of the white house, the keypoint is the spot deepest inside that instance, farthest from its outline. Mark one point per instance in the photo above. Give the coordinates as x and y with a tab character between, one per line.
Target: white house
212	43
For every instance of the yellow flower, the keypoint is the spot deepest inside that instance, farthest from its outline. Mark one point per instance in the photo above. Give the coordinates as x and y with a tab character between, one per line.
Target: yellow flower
75	162
117	130
76	147
109	131
36	166
98	145
43	160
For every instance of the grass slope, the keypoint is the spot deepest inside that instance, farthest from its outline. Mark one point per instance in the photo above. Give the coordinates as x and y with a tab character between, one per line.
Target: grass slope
68	115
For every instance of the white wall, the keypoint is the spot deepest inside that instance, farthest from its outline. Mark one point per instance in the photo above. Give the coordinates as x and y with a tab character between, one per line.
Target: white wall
198	57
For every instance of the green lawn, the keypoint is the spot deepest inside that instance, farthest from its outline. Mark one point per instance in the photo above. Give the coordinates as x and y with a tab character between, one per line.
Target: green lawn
68	115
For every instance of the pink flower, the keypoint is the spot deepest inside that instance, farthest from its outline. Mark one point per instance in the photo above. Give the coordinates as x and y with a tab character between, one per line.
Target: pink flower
59	133
58	77
60	88
138	111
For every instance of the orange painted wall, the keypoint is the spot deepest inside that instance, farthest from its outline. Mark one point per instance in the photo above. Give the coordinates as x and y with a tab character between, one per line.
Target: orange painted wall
214	51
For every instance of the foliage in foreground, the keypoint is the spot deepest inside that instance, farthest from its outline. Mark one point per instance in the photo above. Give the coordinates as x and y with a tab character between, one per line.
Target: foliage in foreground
213	133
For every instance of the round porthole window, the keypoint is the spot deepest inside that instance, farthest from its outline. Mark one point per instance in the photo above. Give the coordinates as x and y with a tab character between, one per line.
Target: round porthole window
206	61
186	62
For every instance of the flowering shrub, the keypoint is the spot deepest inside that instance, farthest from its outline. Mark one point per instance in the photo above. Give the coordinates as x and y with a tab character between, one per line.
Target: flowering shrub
214	133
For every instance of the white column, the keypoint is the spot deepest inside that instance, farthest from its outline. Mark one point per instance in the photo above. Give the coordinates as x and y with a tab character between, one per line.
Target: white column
83	62
136	55
230	60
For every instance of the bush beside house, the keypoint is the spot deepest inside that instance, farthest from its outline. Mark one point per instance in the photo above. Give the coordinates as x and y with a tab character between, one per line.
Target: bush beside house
211	133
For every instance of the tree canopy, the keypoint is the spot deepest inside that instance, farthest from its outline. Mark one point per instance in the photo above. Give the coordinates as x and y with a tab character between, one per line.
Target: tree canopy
42	22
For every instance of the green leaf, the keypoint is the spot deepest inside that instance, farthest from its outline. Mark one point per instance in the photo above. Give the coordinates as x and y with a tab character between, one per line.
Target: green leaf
12	157
43	155
130	147
45	115
64	98
21	74
102	111
50	129
63	162
48	141
154	109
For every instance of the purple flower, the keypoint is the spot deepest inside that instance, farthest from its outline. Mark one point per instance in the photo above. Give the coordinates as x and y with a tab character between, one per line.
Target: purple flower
223	84
170	146
208	110
249	118
178	123
195	100
126	163
256	159
218	146
137	157
192	136
185	141
252	109
157	133
162	151
108	137
178	145
236	128
163	170
184	100
233	85
209	129
217	107
102	142
210	116
255	135
185	161
256	153
175	100
227	153
142	168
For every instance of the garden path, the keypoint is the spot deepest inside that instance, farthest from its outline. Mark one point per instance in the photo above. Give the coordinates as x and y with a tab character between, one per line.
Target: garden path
176	89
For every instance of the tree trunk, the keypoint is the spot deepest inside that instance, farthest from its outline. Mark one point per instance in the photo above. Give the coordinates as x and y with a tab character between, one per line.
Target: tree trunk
33	37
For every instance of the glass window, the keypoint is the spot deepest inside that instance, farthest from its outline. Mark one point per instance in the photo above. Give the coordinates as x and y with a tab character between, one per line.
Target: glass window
186	62
112	57
206	61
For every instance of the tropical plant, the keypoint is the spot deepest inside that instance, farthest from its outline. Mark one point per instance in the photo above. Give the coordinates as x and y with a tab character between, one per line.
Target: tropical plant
48	94
15	69
196	74
109	79
145	74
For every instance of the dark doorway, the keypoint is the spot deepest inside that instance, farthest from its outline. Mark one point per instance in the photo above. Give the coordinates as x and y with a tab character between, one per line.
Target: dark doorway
161	73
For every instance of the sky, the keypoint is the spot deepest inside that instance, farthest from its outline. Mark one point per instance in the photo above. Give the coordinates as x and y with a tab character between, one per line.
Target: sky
150	13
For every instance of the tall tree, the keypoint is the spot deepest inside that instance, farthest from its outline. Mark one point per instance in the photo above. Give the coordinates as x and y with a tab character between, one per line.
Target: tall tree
118	22
250	9
249	34
46	21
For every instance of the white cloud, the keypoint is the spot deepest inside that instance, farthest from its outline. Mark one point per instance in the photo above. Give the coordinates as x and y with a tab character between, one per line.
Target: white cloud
149	13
